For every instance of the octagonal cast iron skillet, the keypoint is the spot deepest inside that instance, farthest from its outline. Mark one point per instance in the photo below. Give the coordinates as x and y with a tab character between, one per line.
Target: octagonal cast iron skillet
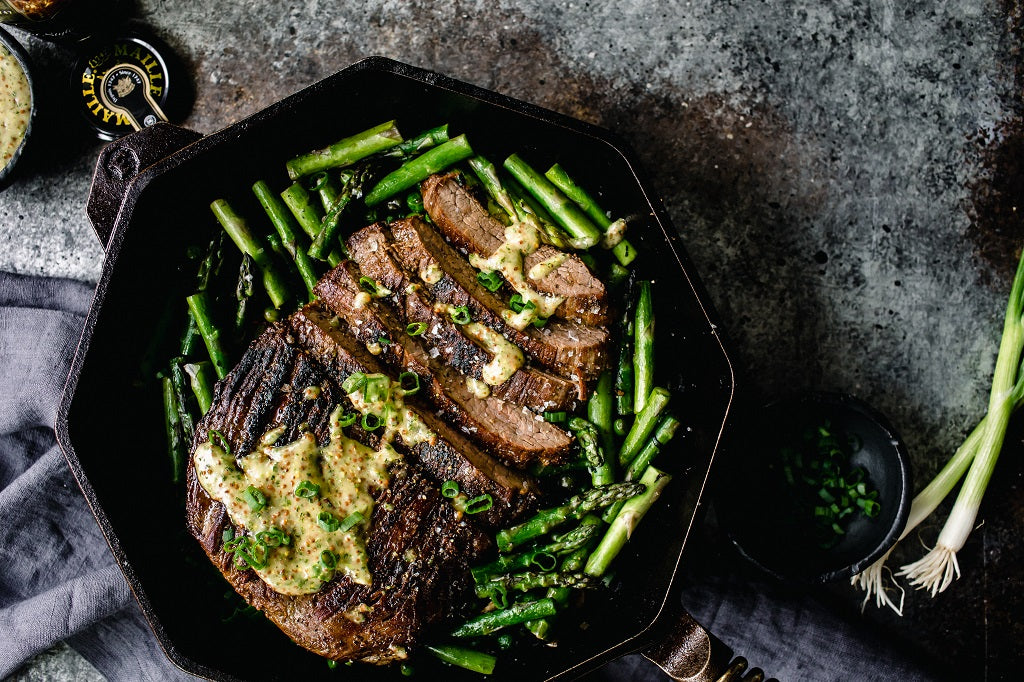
150	201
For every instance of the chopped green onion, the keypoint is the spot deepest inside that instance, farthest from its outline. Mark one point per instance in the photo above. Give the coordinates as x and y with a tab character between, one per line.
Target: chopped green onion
383	340
478	504
316	182
490	279
415	328
539	321
273	538
328	559
228	535
328	521
254	498
409	382
332	664
348	419
307	490
351	520
372	422
554	417
369	285
377	388
415	202
354	382
460	314
619	426
449	489
518	305
214	436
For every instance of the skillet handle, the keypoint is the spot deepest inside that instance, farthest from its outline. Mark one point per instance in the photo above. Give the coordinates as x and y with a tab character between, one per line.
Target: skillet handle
689	653
118	164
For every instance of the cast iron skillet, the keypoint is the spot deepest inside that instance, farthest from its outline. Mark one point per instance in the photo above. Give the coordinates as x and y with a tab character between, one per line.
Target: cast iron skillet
150	201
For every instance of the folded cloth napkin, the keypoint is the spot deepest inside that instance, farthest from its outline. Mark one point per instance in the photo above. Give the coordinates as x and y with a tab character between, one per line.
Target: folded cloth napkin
58	580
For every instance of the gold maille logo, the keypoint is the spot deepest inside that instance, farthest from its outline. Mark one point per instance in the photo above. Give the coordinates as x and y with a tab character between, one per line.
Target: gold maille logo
102	62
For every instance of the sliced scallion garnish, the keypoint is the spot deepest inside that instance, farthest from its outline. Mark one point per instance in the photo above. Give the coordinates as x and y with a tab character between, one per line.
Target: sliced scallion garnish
328	521
369	285
377	388
214	436
307	490
554	417
372	422
490	280
348	419
254	498
410	382
415	328
328	559
460	314
480	503
351	521
353	382
274	537
449	489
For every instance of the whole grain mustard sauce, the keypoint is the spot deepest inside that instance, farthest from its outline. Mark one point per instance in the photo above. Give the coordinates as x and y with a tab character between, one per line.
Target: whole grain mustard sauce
345	471
15	105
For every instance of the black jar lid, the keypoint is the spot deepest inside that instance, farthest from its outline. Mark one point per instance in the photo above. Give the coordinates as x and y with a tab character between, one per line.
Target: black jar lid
126	82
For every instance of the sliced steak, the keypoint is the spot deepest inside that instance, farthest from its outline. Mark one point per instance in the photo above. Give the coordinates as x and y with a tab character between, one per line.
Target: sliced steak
339	291
514	434
470	227
418	547
576	351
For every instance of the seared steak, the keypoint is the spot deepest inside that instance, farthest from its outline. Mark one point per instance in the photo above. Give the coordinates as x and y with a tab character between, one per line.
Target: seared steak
340	291
514	434
418	547
570	349
470	227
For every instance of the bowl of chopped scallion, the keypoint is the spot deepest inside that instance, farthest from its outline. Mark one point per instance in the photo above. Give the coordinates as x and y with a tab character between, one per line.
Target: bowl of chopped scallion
818	488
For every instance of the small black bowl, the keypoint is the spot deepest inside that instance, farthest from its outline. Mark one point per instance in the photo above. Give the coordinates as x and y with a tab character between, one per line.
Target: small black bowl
755	502
15	48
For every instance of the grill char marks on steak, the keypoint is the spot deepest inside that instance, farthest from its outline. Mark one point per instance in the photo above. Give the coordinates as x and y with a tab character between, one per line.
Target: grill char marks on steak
469	226
418	546
512	433
570	349
338	291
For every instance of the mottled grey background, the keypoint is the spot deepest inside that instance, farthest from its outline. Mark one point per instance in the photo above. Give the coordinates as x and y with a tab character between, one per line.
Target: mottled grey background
845	174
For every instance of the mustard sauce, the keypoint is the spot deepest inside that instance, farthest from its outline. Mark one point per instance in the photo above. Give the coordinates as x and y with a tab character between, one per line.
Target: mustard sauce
343	474
15	105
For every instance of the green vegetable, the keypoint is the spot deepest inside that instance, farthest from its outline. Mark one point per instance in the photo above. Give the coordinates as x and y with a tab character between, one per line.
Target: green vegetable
291	239
345	152
419	169
643	353
199	306
307	490
599	412
328	235
274	284
351	521
176	447
583	234
492	621
613	230
626	521
296	198
645	422
201	382
476	661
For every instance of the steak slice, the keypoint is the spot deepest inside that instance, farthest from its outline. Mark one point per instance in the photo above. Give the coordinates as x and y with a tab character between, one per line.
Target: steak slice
573	350
470	227
419	547
339	291
514	434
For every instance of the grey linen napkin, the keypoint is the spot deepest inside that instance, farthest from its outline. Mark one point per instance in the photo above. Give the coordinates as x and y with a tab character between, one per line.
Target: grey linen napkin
58	581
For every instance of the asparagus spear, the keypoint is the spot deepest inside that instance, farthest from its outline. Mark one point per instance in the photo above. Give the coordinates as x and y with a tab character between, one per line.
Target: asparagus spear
540	557
527	205
587	436
470	659
492	621
296	198
624	398
524	582
418	144
418	169
583	234
626	521
664	432
198	304
543	522
345	152
599	412
202	383
172	420
644	424
613	239
643	355
353	189
234	225
286	230
244	290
